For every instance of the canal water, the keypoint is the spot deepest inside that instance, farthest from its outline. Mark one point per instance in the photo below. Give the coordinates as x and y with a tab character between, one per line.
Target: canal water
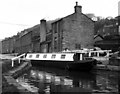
48	80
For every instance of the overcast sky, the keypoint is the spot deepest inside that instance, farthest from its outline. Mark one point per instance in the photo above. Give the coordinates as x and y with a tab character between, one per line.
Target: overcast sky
17	15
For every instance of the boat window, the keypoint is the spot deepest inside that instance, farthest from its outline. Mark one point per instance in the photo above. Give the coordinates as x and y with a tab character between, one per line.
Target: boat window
37	56
103	54
53	56
63	56
85	54
93	54
30	56
44	56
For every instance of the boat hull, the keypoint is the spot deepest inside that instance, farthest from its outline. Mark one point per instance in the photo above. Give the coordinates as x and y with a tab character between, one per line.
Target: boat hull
86	65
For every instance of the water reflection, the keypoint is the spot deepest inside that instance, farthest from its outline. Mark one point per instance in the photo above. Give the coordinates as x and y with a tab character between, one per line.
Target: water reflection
53	80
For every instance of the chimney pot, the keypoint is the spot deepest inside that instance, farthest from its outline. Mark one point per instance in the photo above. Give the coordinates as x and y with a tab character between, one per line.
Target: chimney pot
78	9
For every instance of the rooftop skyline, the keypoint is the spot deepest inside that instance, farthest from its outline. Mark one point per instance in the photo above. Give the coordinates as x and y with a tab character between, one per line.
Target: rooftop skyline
17	15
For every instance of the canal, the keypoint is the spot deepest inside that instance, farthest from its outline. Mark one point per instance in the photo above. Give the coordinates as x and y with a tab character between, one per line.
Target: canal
48	80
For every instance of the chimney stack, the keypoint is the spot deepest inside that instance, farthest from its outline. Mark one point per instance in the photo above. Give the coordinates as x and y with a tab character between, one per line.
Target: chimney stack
43	30
78	9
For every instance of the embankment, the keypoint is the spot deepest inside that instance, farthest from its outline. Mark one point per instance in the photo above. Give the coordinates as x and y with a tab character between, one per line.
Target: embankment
9	74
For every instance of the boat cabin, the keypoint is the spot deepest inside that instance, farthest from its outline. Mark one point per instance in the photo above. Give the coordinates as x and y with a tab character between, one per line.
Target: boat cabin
99	53
69	60
57	56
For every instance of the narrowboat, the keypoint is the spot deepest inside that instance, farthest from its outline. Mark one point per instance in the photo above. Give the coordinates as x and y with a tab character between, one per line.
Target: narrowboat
69	61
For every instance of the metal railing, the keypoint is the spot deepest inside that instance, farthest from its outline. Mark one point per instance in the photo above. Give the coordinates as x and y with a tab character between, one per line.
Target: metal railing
22	56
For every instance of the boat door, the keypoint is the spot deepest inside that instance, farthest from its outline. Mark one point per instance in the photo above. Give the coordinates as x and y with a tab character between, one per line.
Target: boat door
76	57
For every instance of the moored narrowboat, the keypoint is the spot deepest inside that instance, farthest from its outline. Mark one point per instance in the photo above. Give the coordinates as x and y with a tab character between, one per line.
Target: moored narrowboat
70	60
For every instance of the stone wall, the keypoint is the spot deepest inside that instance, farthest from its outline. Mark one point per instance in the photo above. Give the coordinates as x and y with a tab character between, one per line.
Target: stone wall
78	30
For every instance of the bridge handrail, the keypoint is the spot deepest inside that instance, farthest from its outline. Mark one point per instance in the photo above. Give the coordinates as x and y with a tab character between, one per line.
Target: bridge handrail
18	57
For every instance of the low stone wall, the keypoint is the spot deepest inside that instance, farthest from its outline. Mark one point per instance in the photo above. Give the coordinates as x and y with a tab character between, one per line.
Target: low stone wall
7	65
9	74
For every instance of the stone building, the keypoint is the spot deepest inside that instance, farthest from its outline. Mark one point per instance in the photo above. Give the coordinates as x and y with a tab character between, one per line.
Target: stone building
45	36
109	43
119	8
111	36
0	46
108	27
29	41
8	45
23	43
119	24
74	31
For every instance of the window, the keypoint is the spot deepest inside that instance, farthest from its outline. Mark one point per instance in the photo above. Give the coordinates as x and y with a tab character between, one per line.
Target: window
44	56
55	43
30	56
103	54
63	56
55	28
55	38
53	56
37	56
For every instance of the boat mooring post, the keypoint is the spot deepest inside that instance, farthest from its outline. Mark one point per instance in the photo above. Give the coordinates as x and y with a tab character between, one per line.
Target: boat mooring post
81	57
12	63
89	54
19	60
98	54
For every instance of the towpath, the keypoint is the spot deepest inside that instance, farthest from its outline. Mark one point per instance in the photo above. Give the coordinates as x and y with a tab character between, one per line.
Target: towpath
7	82
3	57
6	56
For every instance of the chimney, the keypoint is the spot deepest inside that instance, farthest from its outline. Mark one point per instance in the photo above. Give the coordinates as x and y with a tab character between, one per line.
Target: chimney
78	9
43	30
43	21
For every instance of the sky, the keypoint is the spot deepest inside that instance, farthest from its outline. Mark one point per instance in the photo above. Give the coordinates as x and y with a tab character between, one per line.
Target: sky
17	15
